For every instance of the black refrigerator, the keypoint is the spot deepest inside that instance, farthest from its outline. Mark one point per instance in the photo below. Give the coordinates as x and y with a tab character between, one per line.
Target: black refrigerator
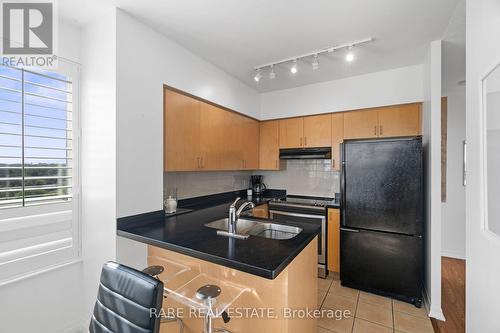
382	217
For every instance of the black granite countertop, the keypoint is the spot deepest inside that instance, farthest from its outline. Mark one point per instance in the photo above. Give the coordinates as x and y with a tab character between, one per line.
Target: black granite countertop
187	234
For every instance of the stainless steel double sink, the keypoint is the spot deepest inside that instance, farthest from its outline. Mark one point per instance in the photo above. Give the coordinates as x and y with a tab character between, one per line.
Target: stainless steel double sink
258	228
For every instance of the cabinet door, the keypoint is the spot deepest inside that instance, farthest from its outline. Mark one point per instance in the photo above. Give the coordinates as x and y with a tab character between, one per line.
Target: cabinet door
337	139
399	120
212	120
333	250
291	132
232	156
269	149
250	130
261	211
361	124
318	131
181	137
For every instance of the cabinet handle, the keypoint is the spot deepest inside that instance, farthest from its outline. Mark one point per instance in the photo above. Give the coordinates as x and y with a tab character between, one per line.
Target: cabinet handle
198	161
201	162
381	130
301	141
305	141
375	131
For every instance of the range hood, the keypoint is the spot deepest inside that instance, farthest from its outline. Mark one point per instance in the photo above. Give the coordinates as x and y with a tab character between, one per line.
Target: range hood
323	153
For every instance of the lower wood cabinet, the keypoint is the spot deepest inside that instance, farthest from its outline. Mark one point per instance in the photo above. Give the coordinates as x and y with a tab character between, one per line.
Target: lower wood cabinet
333	240
261	211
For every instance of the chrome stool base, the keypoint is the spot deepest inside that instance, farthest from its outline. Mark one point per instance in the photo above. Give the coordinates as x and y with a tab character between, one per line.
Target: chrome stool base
155	272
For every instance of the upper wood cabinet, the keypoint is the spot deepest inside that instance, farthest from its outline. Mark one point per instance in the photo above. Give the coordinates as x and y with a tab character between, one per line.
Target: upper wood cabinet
250	144
400	120
361	124
212	128
291	132
181	139
312	131
269	149
390	121
201	136
337	138
318	131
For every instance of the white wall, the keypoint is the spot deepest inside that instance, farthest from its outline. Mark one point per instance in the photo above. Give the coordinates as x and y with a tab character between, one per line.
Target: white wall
432	149
483	266
35	303
453	210
396	86
98	153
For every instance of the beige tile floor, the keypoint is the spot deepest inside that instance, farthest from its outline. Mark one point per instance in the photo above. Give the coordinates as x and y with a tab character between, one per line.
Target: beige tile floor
372	313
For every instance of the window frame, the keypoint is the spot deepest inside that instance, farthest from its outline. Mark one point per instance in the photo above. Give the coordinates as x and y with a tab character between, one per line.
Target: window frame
72	70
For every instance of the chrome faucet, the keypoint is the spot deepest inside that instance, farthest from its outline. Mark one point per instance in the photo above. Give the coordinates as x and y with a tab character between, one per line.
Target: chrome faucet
234	214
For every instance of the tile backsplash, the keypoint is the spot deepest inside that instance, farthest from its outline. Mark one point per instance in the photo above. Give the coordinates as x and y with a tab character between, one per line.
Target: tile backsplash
305	177
194	184
300	177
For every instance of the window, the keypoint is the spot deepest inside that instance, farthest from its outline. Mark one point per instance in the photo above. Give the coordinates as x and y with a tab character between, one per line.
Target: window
38	168
36	133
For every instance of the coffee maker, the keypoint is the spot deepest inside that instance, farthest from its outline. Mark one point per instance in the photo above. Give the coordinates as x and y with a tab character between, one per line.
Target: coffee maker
258	187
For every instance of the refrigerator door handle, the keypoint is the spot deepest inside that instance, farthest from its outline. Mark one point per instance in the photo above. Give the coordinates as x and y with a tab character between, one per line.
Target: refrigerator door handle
342	184
349	230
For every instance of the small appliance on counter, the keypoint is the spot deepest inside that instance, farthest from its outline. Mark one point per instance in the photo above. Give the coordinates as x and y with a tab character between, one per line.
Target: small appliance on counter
258	187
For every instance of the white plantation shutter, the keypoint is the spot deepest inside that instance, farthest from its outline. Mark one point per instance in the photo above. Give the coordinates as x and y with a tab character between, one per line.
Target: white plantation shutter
39	184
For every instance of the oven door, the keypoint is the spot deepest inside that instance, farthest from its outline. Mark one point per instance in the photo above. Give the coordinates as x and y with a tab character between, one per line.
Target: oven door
279	215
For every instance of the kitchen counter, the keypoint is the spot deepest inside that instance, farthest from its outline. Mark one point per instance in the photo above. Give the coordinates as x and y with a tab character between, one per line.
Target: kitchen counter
188	235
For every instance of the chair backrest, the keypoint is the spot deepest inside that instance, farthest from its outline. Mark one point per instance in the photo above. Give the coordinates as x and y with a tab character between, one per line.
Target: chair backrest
127	301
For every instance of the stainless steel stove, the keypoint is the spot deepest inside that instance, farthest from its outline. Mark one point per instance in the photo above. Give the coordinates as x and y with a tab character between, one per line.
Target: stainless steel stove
306	210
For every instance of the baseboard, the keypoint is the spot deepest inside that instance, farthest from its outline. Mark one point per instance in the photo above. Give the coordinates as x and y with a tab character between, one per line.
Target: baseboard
433	312
454	255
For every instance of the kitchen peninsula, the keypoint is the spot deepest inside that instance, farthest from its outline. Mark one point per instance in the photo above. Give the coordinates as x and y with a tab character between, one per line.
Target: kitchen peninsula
277	273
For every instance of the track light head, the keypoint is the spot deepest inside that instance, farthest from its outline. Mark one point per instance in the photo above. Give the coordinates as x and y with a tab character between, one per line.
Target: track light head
272	74
257	76
294	68
349	57
315	63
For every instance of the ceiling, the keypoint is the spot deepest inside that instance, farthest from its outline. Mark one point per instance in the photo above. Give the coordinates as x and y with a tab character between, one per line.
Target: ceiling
239	35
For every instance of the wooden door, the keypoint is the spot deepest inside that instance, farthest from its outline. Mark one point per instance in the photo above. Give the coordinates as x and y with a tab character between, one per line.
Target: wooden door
361	124
212	120
291	132
337	139
269	149
181	137
333	251
318	131
232	156
250	130
399	120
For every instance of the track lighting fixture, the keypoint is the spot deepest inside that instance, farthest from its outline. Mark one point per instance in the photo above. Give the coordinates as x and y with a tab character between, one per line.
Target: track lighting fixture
315	63
349	57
